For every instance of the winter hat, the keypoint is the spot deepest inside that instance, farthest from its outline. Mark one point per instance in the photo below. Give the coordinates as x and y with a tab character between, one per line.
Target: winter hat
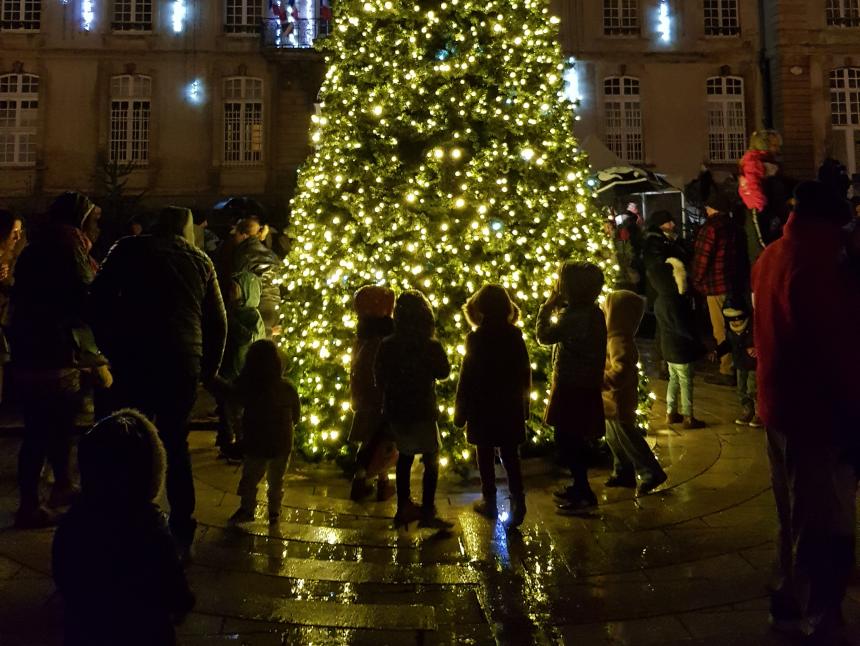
175	221
765	140
71	208
719	201
374	301
734	310
816	200
659	218
580	282
491	303
122	459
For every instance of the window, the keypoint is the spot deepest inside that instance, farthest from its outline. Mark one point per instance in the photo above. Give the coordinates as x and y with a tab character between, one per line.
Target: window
721	18
132	15
727	128
129	119
621	17
243	120
20	15
243	16
623	117
845	96
19	115
843	13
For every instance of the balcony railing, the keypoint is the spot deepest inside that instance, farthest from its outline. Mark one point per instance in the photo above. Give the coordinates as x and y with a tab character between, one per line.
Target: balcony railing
295	34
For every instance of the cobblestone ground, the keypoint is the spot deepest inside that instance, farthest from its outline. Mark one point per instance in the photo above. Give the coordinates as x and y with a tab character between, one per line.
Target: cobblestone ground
687	565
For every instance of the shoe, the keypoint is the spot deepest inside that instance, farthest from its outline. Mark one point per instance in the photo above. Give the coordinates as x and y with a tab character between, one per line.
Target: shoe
674	418
487	507
784	616
756	422
744	418
38	518
384	490
650	483
407	513
518	511
63	496
241	516
626	481
360	489
582	503
825	628
566	494
722	380
430	519
231	452
691	423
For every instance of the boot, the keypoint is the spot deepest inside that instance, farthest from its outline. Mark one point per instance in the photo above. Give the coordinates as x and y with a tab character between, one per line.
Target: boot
430	518
407	512
518	511
487	506
674	418
360	489
691	423
384	490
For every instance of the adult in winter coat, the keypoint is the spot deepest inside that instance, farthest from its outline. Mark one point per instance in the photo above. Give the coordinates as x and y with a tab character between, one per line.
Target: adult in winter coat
493	395
47	308
679	340
715	271
251	255
114	560
158	315
807	313
374	306
571	321
632	457
408	364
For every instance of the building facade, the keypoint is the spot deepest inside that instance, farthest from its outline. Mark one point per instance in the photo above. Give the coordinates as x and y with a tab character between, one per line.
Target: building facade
156	86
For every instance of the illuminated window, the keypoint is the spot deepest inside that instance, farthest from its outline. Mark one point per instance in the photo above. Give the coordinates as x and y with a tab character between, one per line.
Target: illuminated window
621	17
132	15
623	117
243	120
243	16
19	116
129	118
721	18
843	13
726	119
20	15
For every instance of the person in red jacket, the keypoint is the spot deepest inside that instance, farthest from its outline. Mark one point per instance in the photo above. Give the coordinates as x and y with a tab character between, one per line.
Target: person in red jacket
807	313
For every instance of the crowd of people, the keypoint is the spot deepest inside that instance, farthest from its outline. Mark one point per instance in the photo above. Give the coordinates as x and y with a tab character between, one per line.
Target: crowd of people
157	316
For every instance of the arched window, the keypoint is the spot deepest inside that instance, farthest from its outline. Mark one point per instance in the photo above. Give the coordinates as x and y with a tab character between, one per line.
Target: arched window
20	15
845	115
243	120
19	118
726	119
843	13
129	118
623	117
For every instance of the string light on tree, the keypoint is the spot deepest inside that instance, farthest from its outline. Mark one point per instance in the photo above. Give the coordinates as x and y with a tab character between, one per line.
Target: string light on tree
444	158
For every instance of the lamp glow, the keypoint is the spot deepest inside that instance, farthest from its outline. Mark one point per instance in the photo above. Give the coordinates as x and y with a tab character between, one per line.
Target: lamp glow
88	14
194	92
178	16
664	22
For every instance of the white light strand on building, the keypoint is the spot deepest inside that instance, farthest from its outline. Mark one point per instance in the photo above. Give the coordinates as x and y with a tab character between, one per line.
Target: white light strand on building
664	22
88	14
194	92
178	16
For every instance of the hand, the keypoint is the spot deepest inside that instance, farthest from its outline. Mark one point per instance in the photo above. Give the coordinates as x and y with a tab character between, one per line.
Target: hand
752	352
277	330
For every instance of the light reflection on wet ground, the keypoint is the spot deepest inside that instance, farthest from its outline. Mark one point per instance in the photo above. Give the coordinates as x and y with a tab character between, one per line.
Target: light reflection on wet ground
687	565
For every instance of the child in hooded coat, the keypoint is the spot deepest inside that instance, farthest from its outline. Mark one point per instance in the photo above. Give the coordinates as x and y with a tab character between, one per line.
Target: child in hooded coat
632	457
741	345
114	560
571	320
493	395
678	338
378	453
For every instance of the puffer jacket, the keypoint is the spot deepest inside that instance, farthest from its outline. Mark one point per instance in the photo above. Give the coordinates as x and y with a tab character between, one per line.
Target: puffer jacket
579	336
624	310
244	325
156	301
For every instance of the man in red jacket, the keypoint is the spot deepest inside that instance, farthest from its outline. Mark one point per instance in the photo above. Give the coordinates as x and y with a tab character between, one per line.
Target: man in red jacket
807	316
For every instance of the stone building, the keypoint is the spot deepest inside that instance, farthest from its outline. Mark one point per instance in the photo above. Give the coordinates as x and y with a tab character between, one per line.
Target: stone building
159	85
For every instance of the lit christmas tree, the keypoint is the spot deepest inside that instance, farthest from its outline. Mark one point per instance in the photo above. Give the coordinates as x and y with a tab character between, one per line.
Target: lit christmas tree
444	159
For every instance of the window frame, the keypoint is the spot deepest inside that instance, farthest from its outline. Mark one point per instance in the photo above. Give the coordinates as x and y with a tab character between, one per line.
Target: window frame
250	23
135	25
135	141
21	132
845	81
633	28
246	146
723	25
629	132
21	24
729	137
844	14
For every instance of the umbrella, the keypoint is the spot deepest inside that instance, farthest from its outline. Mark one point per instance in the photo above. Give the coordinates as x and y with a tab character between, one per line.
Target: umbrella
618	181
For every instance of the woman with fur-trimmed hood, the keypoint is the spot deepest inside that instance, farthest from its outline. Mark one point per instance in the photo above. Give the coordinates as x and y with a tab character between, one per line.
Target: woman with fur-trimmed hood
633	459
678	338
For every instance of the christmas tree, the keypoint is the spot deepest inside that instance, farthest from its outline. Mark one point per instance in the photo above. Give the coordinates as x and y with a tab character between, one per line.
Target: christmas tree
444	159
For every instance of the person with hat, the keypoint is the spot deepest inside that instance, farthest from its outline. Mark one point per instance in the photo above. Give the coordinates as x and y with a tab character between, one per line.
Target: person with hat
807	313
739	344
715	271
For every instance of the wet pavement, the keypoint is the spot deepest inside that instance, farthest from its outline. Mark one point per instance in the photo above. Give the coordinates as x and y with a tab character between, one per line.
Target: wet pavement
686	565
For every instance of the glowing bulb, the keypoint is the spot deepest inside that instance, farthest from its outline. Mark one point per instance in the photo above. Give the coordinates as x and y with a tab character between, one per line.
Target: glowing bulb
194	92
527	154
377	110
456	153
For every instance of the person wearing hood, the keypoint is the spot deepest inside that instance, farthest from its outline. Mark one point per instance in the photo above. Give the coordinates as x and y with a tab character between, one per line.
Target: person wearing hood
678	339
250	254
47	320
807	313
114	561
158	315
633	461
